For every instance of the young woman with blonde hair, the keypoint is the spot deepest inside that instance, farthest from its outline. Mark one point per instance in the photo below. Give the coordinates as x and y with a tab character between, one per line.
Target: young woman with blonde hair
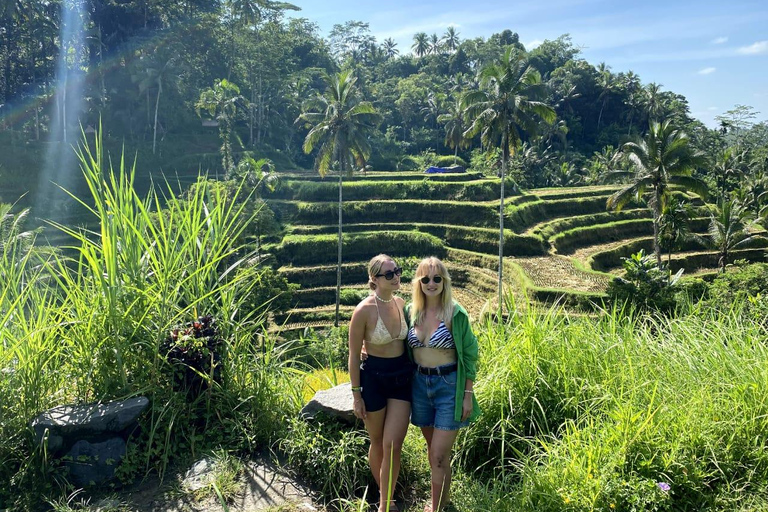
381	385
445	351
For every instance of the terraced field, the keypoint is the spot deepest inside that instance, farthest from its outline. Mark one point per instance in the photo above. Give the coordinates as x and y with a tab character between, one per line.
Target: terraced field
561	243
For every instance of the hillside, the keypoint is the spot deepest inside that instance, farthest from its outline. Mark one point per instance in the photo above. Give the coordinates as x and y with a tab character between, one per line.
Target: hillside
560	243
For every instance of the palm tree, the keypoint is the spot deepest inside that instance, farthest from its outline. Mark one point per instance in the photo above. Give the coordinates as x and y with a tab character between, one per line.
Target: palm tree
663	160
607	84
654	101
674	225
455	126
451	39
507	107
728	164
390	48
730	227
221	101
435	45
631	84
434	108
161	71
420	44
339	125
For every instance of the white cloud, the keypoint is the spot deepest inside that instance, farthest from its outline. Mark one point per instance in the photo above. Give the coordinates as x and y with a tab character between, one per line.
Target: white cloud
754	49
711	108
720	40
707	71
532	44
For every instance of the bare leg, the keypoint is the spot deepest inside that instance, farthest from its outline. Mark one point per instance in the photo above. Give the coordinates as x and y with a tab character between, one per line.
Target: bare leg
439	444
395	428
374	424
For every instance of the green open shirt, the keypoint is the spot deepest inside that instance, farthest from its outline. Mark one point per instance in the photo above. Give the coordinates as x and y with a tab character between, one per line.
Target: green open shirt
466	351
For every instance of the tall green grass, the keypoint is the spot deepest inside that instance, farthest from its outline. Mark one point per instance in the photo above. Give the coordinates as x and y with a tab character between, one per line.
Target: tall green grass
601	413
90	328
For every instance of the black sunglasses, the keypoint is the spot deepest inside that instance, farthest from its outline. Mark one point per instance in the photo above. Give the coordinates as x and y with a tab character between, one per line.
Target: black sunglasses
390	274
436	279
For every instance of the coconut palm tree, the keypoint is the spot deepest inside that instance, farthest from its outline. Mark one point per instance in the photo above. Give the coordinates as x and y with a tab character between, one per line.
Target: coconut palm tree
507	107
662	161
221	101
729	164
420	44
674	225
730	227
654	101
390	48
451	39
608	86
455	126
339	123
435	45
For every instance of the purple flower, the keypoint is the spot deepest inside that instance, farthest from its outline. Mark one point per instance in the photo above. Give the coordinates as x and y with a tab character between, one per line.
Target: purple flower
664	486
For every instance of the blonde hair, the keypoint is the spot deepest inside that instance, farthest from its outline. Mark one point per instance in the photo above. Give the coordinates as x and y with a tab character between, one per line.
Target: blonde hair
374	267
419	300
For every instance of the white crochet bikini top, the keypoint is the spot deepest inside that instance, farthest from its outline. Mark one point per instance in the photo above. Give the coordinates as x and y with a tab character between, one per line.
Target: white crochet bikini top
381	335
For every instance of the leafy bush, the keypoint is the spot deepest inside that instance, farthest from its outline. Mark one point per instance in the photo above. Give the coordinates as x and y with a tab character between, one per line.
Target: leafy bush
450	161
644	285
746	284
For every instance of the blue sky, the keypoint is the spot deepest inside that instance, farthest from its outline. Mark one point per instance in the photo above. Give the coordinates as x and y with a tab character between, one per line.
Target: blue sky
714	53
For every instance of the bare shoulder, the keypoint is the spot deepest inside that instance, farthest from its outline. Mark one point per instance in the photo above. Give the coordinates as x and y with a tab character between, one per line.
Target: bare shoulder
400	302
363	309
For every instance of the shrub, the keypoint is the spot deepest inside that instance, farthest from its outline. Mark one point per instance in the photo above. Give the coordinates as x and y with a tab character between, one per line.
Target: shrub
450	161
645	284
745	284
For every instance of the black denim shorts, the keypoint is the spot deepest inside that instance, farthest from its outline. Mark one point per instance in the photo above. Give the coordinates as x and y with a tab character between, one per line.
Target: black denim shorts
385	378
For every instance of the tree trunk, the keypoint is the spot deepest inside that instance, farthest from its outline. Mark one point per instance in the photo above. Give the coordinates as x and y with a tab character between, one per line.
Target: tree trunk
504	160
656	215
157	105
338	261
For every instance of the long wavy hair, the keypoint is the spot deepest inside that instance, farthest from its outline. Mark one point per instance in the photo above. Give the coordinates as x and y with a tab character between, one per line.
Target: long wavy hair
427	266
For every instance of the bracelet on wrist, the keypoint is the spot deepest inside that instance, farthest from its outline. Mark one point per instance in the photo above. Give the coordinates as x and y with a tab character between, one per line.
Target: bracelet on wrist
471	392
358	389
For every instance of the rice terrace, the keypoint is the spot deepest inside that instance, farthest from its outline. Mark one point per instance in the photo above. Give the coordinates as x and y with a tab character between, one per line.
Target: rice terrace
193	195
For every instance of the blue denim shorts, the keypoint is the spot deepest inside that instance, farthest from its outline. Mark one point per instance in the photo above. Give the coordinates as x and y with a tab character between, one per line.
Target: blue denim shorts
434	401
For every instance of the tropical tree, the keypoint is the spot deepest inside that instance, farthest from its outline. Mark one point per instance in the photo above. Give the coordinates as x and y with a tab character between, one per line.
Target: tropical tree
451	39
729	164
455	126
162	69
654	101
390	48
435	45
730	227
507	107
663	161
608	86
220	102
339	123
420	44
675	225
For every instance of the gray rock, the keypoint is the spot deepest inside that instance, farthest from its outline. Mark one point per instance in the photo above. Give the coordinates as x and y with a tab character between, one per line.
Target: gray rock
90	419
336	402
200	475
94	463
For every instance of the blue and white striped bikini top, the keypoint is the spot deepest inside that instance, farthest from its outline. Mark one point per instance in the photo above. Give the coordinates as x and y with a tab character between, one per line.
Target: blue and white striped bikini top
441	338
